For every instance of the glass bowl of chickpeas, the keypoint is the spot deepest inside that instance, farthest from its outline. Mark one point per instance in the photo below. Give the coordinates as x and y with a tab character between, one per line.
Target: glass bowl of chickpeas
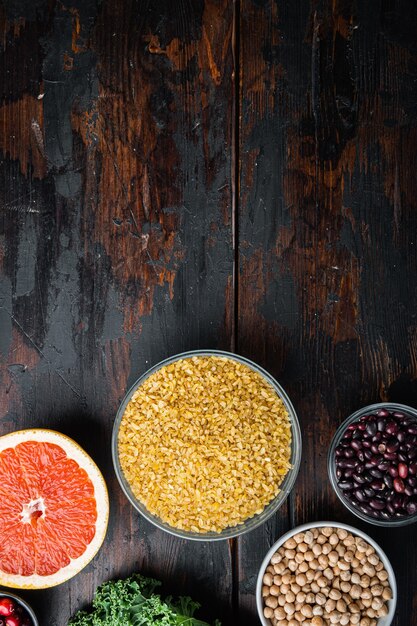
326	573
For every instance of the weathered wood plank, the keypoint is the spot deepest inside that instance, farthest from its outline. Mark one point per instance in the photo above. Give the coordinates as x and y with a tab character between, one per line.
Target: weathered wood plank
327	232
116	238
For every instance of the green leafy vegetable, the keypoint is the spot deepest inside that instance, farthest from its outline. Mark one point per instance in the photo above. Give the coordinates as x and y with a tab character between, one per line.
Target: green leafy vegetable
133	602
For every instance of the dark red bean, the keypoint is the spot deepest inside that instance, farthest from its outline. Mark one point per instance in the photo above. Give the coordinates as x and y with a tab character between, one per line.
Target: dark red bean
347	464
376	473
390	456
402	470
398	414
412	468
377	504
411	507
359	469
382	413
409	491
412	430
360	480
366	444
374	448
381	423
352	427
402	436
362	426
371	428
397	502
393	471
366	509
412	481
349	473
392	445
391	428
346	484
390	508
383	465
385	515
359	495
349	453
402	457
368	454
389	481
356	445
398	485
377	485
338	472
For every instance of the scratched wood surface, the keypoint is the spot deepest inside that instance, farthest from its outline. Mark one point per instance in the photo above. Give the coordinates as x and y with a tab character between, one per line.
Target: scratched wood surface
179	175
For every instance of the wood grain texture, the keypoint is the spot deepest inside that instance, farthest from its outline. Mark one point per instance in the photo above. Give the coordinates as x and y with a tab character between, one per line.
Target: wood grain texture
328	233
196	174
116	246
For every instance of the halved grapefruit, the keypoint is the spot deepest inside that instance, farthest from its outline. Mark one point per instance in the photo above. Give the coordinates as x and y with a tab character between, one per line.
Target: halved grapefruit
54	509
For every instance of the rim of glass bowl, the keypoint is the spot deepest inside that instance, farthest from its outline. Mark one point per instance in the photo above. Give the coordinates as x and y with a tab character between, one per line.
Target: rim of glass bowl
331	468
383	621
8	594
256	520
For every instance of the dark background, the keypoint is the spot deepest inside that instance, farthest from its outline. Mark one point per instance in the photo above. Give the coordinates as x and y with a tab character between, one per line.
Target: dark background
207	174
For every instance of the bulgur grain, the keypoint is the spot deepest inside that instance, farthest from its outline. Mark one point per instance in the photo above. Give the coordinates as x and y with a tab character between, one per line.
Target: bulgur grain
205	443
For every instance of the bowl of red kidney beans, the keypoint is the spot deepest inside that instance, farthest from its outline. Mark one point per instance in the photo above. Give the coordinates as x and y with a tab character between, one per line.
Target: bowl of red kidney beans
372	464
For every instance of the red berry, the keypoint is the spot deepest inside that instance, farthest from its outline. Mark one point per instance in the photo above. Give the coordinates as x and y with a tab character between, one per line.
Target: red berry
6	606
13	620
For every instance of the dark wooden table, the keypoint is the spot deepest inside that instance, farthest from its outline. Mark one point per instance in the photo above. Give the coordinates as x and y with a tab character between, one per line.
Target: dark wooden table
181	174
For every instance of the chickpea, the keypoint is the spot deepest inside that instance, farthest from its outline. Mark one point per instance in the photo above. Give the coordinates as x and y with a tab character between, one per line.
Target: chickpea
387	593
314	565
299	537
333	539
303	567
365	581
320	599
268	579
330	606
354	608
317	621
290	597
276	558
289	554
309	556
265	591
301	579
327	548
318	610
377	603
383	611
280	613
289	608
268	612
321	539
293	622
295	588
292	566
272	602
335	617
345	619
365	621
310	597
341	606
307	611
274	590
290	544
308	537
335	594
369	569
326	531
302	547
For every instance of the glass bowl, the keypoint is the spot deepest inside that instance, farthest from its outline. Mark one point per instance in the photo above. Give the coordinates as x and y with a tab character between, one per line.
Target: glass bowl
250	523
372	408
18	600
383	621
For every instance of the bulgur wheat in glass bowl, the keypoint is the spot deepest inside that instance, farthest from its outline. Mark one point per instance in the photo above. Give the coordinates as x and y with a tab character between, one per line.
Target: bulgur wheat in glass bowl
206	445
